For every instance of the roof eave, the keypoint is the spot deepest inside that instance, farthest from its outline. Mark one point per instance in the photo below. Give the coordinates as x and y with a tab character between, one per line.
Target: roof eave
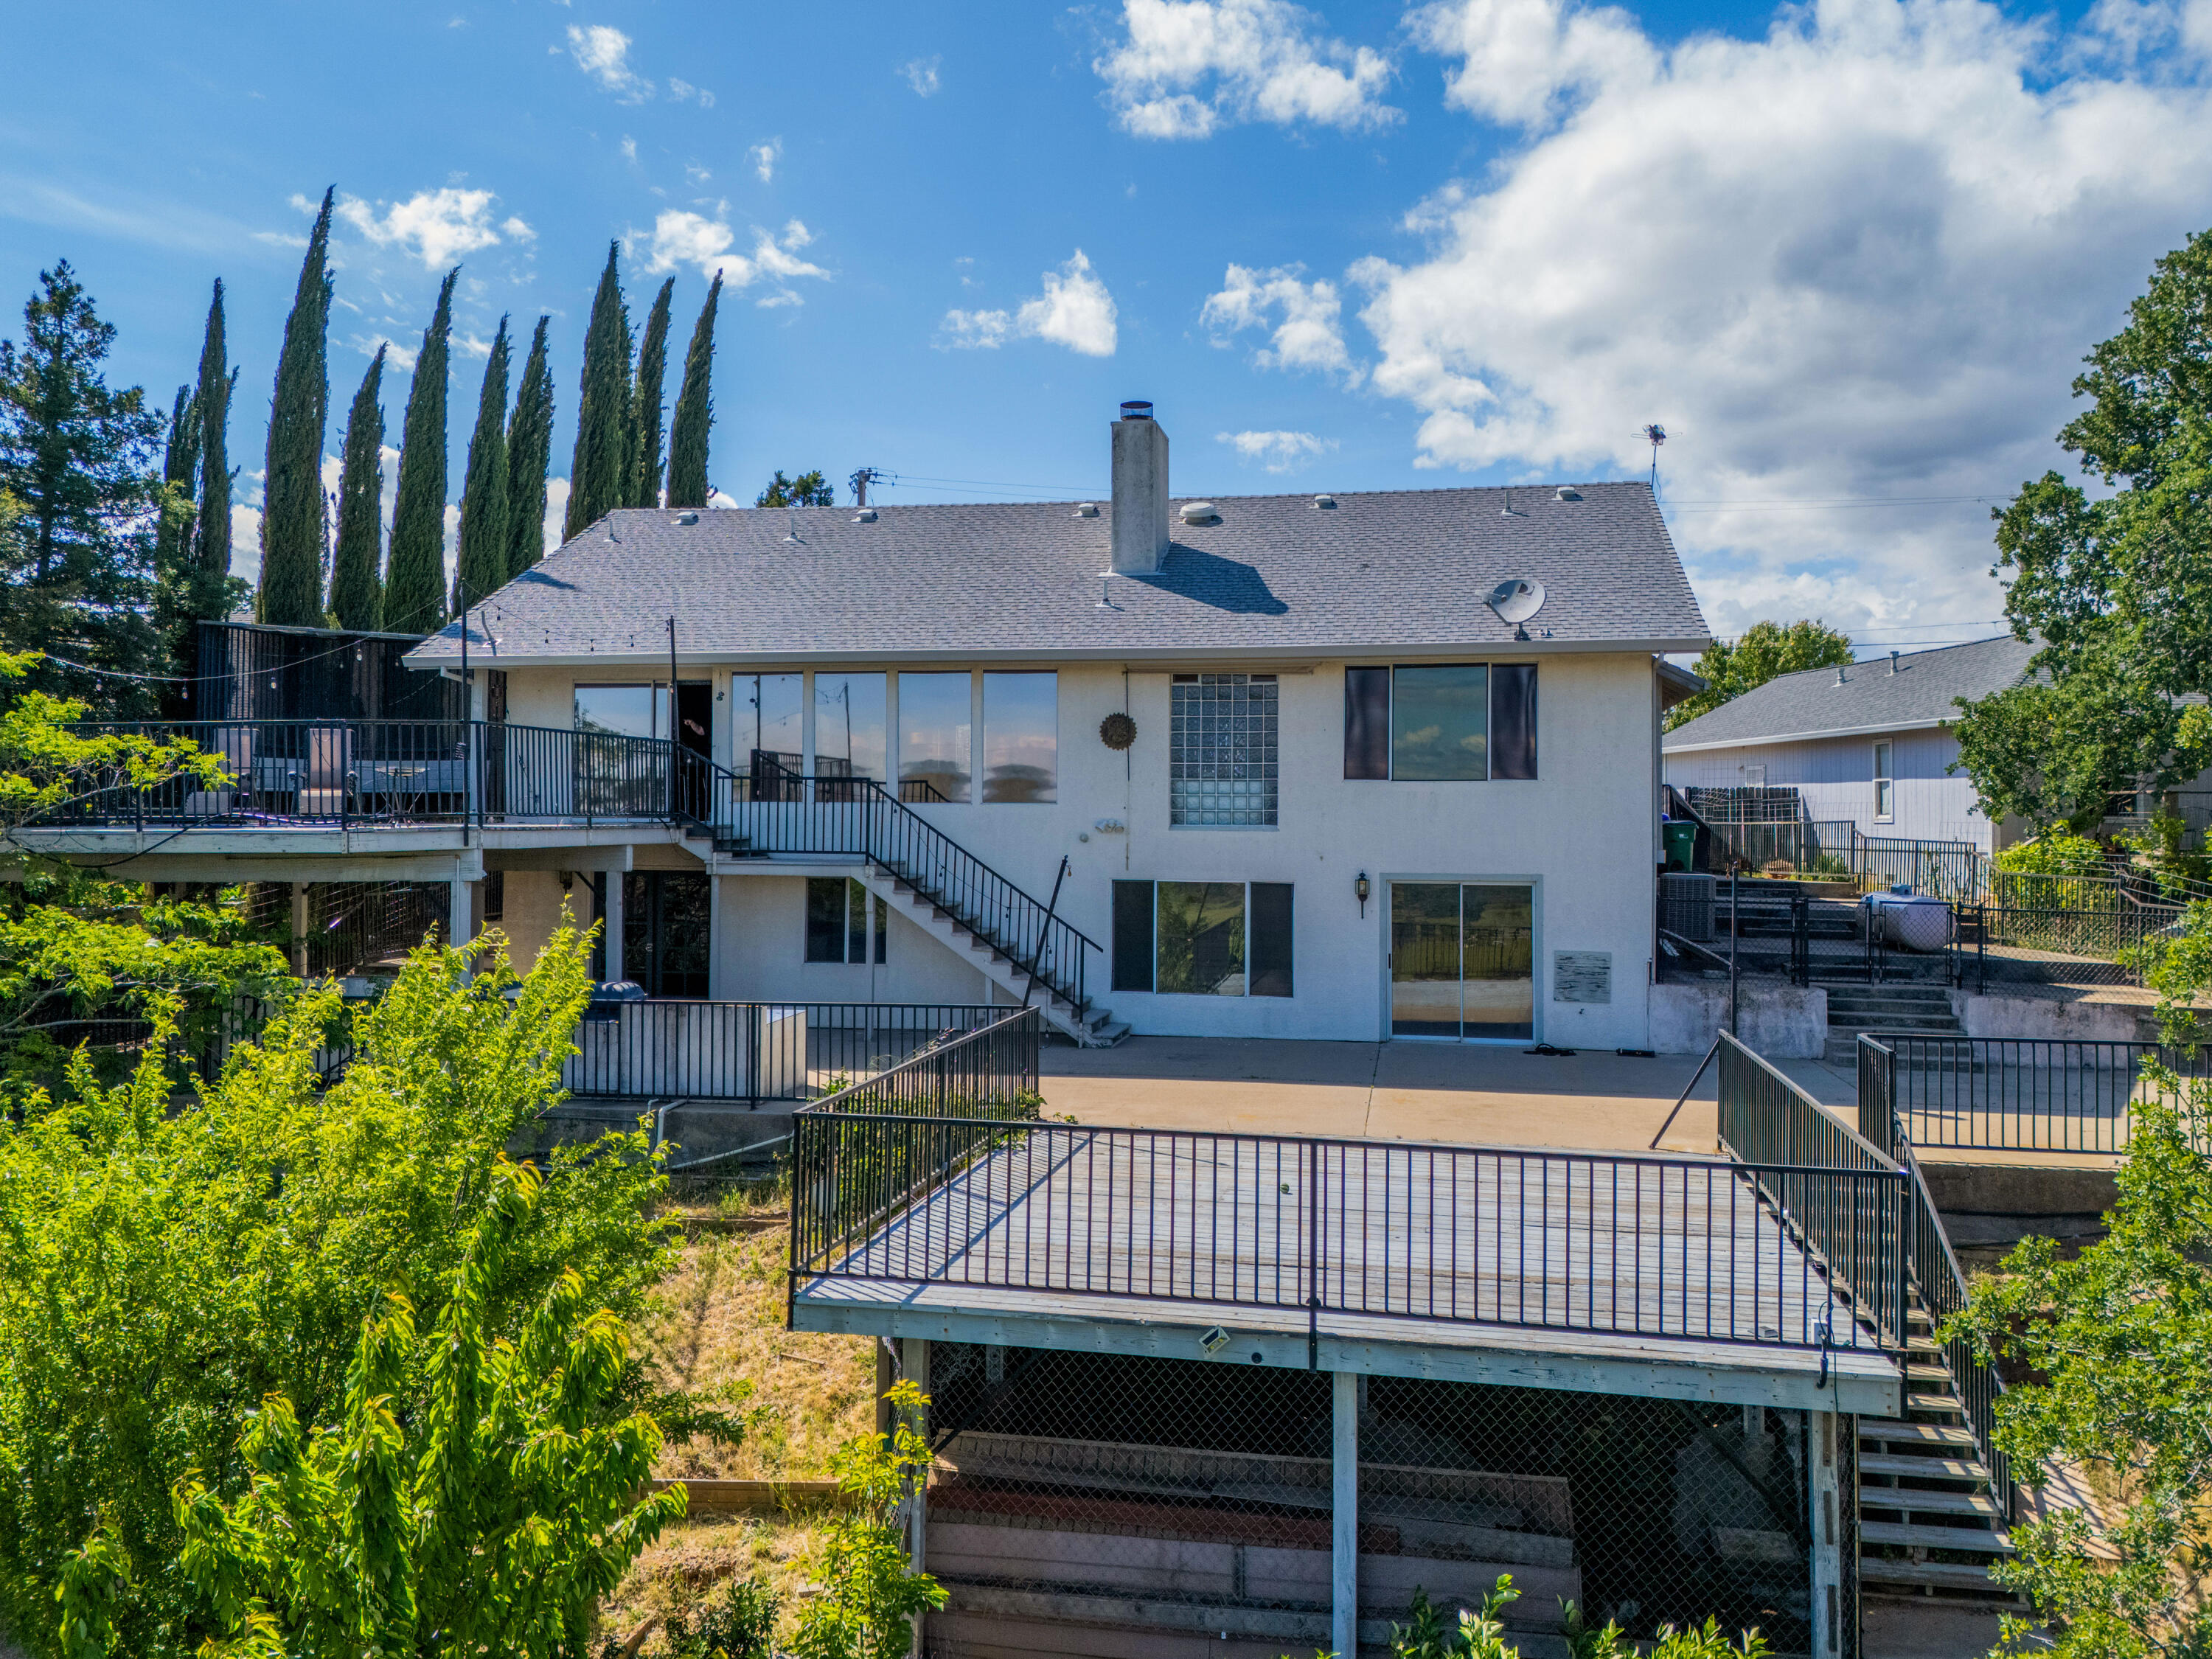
1805	737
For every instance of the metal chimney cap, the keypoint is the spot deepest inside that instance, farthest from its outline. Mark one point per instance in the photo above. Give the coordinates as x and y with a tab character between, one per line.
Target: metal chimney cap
1137	408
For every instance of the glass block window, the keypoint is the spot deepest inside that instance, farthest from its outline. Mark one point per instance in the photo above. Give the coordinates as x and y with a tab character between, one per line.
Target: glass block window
1221	751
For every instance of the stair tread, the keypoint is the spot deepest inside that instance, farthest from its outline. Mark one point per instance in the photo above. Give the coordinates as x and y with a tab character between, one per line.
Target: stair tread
1888	1428
1929	1503
1975	1540
1921	1371
1924	1467
1949	1575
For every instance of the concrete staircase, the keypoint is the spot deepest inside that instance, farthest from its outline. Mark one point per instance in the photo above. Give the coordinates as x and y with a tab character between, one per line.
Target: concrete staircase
1896	1006
1930	1521
1088	1025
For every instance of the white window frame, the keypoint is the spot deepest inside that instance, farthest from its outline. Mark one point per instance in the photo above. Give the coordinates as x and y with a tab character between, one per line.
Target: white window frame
1885	780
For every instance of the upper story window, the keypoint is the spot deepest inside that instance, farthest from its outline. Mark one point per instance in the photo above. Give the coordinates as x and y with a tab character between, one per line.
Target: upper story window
1021	737
1884	786
848	726
1440	722
771	718
1221	751
936	726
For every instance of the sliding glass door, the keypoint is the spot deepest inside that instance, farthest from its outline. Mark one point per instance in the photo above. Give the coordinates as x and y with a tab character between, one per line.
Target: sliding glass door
1463	960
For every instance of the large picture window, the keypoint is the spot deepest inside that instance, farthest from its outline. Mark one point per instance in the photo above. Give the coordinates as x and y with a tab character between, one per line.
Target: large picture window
1021	737
848	726
1222	938
936	727
1432	722
771	718
1221	751
839	913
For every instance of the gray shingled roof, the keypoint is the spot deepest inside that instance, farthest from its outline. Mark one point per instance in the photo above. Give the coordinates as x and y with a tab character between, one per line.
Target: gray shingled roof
1403	570
1921	692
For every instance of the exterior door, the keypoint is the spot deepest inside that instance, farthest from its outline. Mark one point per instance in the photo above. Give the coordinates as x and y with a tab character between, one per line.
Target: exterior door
1463	960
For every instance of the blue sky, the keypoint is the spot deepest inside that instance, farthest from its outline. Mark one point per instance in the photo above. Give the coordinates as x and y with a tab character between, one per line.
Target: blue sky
1848	254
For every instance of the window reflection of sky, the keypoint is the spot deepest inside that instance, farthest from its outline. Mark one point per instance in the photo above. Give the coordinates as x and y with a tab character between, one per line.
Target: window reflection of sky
849	724
936	725
1021	737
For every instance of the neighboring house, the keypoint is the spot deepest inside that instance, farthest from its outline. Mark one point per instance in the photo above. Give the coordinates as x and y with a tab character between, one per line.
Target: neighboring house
1305	782
1871	744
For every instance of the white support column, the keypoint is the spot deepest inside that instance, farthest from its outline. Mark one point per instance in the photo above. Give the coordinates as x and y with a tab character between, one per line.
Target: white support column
613	920
1344	1555
1826	1498
714	972
914	1359
300	929
459	929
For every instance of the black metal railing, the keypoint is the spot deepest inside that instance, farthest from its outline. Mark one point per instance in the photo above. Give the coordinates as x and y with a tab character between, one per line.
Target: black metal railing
2021	1094
768	809
1931	1268
754	1051
1768	1123
1699	1250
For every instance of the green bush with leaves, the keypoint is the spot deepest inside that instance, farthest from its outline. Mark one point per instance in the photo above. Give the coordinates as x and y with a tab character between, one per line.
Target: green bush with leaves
739	1622
2060	852
870	1593
172	1268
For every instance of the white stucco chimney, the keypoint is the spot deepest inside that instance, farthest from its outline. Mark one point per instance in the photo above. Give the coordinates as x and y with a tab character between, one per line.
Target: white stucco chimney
1140	490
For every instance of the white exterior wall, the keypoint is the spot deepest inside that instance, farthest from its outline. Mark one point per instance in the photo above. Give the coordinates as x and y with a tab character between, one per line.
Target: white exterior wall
1582	834
1835	776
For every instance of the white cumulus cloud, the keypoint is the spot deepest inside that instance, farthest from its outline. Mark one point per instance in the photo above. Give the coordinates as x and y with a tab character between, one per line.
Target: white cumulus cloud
1185	68
1303	321
436	226
1858	256
1075	310
602	52
683	90
921	75
1278	452
680	238
764	156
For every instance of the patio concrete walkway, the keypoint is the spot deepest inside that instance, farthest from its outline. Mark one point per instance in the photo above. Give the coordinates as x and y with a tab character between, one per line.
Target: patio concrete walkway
1465	1093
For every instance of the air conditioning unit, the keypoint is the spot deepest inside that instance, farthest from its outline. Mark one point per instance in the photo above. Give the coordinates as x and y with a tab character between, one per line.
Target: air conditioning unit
1686	905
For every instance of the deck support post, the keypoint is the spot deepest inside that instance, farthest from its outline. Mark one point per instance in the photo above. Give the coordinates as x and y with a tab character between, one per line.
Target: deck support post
1344	1554
1825	1492
913	1360
611	931
459	924
300	929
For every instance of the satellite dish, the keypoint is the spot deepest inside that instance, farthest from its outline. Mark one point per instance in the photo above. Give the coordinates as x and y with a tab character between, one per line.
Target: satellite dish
1515	600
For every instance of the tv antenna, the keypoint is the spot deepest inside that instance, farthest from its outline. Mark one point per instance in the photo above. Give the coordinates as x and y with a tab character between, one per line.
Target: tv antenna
1516	599
866	475
1657	435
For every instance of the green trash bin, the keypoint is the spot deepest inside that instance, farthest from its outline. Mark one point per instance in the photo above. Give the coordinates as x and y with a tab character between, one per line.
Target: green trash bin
1681	843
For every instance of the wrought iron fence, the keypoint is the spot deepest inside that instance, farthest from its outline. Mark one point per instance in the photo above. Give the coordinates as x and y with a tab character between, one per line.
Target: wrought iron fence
2018	1094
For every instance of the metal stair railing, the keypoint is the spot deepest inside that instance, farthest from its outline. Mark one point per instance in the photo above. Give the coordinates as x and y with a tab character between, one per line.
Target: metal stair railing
771	809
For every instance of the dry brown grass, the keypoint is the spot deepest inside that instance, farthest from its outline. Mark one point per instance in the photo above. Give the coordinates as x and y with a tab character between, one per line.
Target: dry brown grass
692	1558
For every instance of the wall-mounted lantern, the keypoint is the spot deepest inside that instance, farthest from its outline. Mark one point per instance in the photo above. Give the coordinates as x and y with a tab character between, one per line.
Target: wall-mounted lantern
1360	887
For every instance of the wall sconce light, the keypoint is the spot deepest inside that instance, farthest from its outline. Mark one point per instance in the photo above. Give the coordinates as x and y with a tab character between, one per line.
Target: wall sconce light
1361	887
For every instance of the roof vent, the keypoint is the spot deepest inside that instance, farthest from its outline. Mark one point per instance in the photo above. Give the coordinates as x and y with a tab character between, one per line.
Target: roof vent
1086	509
1137	408
1839	673
1893	662
1324	501
687	518
1569	493
866	515
1199	512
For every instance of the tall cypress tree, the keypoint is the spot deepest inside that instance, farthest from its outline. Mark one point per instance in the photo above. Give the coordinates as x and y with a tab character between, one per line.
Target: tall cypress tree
598	475
173	543
295	526
529	448
646	431
694	412
481	567
356	592
211	547
415	587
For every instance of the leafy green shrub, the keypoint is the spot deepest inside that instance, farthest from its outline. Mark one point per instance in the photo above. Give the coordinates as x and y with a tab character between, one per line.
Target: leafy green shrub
2061	852
739	1622
869	1594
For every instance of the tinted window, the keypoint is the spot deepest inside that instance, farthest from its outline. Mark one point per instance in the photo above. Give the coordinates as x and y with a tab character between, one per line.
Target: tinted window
1202	937
1132	936
1366	722
935	722
825	918
1513	720
1270	938
848	726
1439	722
1021	736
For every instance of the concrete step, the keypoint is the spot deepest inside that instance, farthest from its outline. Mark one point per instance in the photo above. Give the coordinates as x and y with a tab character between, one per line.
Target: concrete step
1899	1500
1974	1541
1923	1468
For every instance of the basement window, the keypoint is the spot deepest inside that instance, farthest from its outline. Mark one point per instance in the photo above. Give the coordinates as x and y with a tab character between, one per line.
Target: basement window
838	913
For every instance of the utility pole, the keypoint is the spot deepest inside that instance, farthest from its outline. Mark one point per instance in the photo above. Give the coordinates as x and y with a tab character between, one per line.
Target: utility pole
1657	435
863	478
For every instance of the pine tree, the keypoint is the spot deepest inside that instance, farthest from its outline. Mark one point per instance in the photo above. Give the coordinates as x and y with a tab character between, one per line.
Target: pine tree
598	475
645	430
529	448
481	567
415	587
78	466
356	592
294	523
694	412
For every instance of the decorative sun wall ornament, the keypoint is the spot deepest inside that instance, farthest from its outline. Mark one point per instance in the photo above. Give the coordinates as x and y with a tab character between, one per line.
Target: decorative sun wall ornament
1117	731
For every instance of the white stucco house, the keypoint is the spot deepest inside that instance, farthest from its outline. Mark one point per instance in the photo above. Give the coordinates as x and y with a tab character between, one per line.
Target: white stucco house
1871	744
1266	766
